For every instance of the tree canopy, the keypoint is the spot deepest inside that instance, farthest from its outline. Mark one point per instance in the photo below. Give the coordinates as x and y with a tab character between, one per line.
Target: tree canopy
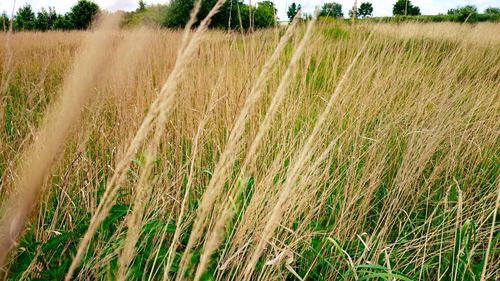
142	6
332	9
80	17
25	18
4	19
45	19
83	13
293	9
464	13
492	11
465	10
405	8
233	14
365	10
265	15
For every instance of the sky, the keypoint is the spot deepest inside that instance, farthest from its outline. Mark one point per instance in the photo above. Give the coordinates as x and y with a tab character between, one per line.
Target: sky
381	7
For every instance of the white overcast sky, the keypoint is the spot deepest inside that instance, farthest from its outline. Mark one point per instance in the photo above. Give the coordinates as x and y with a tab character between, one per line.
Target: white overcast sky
381	7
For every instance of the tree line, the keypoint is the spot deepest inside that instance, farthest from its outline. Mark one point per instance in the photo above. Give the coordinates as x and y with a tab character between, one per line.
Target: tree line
234	14
334	10
467	13
79	17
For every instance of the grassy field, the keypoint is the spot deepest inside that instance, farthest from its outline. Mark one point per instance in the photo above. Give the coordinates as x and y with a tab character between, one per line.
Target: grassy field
321	152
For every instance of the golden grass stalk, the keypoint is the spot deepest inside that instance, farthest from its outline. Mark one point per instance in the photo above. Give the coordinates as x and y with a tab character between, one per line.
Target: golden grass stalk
490	240
216	236
232	146
50	139
161	107
299	162
165	109
196	142
166	94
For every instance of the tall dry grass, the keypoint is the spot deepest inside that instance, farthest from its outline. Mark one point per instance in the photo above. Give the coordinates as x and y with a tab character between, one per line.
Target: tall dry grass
352	152
48	141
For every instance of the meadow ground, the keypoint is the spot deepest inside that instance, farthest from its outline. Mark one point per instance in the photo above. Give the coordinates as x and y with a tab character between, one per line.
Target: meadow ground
367	152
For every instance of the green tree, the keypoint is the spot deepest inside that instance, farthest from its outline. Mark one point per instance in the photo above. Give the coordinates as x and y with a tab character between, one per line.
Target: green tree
42	20
63	22
5	21
25	18
307	16
492	11
241	17
228	15
365	10
233	14
466	13
293	9
45	19
142	6
333	9
83	13
405	8
350	14
177	13
466	10
265	15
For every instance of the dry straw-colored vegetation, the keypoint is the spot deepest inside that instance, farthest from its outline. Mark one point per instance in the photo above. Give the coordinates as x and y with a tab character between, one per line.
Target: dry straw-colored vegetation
323	152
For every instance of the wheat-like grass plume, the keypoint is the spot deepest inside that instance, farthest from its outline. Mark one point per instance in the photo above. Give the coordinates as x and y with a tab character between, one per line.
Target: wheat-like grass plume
166	93
216	235
162	108
301	161
51	137
231	149
490	239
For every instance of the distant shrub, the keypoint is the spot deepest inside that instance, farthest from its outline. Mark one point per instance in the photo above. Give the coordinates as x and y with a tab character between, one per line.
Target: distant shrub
149	16
467	13
439	18
63	22
492	11
4	21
